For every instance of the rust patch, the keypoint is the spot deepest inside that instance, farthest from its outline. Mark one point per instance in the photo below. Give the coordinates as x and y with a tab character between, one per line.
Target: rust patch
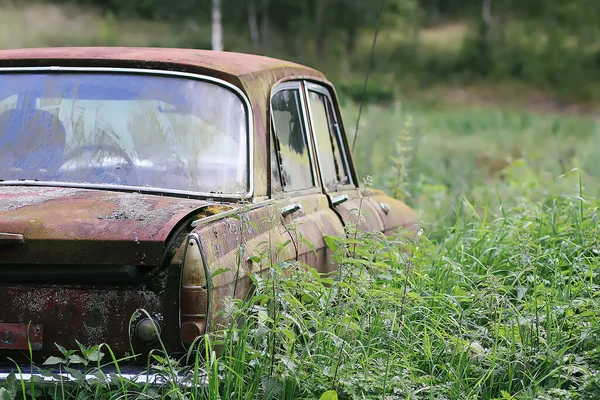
73	226
231	65
21	336
15	197
88	315
209	211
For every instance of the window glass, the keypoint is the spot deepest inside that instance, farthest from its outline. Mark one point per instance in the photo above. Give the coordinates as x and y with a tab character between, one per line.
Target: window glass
290	141
8	103
123	129
331	159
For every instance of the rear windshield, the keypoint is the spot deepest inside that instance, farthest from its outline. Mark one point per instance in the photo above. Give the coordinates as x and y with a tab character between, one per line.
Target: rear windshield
123	129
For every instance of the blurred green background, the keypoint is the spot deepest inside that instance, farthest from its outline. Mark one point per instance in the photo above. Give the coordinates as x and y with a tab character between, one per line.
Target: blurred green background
481	114
477	100
546	45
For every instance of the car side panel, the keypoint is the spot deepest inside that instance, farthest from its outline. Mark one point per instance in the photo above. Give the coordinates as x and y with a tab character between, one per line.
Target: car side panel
398	214
238	245
309	225
357	209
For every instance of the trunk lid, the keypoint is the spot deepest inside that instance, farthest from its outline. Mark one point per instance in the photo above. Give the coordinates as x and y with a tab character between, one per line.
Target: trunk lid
68	226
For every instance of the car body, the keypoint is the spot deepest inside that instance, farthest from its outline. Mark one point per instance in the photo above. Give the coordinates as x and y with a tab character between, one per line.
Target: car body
140	178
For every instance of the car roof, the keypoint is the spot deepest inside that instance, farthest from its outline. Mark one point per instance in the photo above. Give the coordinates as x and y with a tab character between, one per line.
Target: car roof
233	67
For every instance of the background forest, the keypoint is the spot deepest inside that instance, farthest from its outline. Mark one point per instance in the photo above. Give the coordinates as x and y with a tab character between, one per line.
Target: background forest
548	44
483	115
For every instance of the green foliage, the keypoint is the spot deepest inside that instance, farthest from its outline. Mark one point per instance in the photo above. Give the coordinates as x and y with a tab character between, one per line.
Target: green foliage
552	45
374	94
498	299
480	153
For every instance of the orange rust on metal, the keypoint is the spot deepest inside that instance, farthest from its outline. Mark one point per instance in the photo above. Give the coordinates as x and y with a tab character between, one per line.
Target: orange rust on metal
209	211
368	220
83	228
21	336
194	301
233	66
223	241
314	220
88	314
73	226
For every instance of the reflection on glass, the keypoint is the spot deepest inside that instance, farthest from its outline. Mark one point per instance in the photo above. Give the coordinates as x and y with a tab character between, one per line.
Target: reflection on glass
331	160
124	129
291	141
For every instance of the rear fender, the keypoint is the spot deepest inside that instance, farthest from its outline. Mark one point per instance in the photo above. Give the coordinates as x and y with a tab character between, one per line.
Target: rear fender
235	247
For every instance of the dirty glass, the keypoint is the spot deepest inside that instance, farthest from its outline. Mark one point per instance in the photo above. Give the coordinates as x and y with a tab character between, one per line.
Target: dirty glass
294	158
123	129
331	159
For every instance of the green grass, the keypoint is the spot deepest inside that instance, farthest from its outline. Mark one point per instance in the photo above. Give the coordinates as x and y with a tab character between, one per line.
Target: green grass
481	154
497	300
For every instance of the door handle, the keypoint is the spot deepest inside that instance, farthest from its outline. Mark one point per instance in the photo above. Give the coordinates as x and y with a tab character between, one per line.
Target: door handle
339	200
292	208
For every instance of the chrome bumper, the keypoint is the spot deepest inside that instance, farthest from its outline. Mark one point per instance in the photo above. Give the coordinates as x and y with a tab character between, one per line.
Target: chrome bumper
109	375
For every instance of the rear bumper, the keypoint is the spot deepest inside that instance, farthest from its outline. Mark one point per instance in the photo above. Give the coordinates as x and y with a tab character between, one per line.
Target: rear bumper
109	375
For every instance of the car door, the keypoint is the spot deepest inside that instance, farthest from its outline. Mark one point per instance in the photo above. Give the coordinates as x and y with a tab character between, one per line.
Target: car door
334	165
305	208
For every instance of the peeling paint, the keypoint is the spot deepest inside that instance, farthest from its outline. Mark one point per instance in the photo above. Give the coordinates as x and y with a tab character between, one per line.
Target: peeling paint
74	226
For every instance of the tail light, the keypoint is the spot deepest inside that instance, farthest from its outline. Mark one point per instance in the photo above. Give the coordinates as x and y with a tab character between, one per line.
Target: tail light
196	292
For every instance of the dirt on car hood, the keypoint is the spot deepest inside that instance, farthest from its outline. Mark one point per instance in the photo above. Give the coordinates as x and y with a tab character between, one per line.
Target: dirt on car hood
86	226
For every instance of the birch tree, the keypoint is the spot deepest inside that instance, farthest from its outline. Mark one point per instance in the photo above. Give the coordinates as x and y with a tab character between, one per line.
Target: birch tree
217	28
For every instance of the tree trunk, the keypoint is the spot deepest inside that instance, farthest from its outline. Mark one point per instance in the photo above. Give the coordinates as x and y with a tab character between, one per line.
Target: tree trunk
217	28
486	21
350	44
350	40
265	26
485	42
253	24
416	39
320	34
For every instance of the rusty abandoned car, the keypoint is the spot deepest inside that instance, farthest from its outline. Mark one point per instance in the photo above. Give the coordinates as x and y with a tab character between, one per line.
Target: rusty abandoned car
123	173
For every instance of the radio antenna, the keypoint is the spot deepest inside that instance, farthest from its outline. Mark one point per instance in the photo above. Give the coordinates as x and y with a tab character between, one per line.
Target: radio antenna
364	92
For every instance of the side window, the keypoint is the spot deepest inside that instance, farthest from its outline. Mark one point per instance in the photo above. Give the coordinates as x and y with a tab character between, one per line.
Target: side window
334	169
290	141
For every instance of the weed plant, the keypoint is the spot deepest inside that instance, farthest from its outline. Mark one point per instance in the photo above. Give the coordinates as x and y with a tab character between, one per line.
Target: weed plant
497	299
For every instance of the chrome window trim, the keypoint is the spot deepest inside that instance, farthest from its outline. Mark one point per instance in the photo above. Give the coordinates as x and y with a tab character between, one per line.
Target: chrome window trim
314	87
296	193
157	72
310	118
297	85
